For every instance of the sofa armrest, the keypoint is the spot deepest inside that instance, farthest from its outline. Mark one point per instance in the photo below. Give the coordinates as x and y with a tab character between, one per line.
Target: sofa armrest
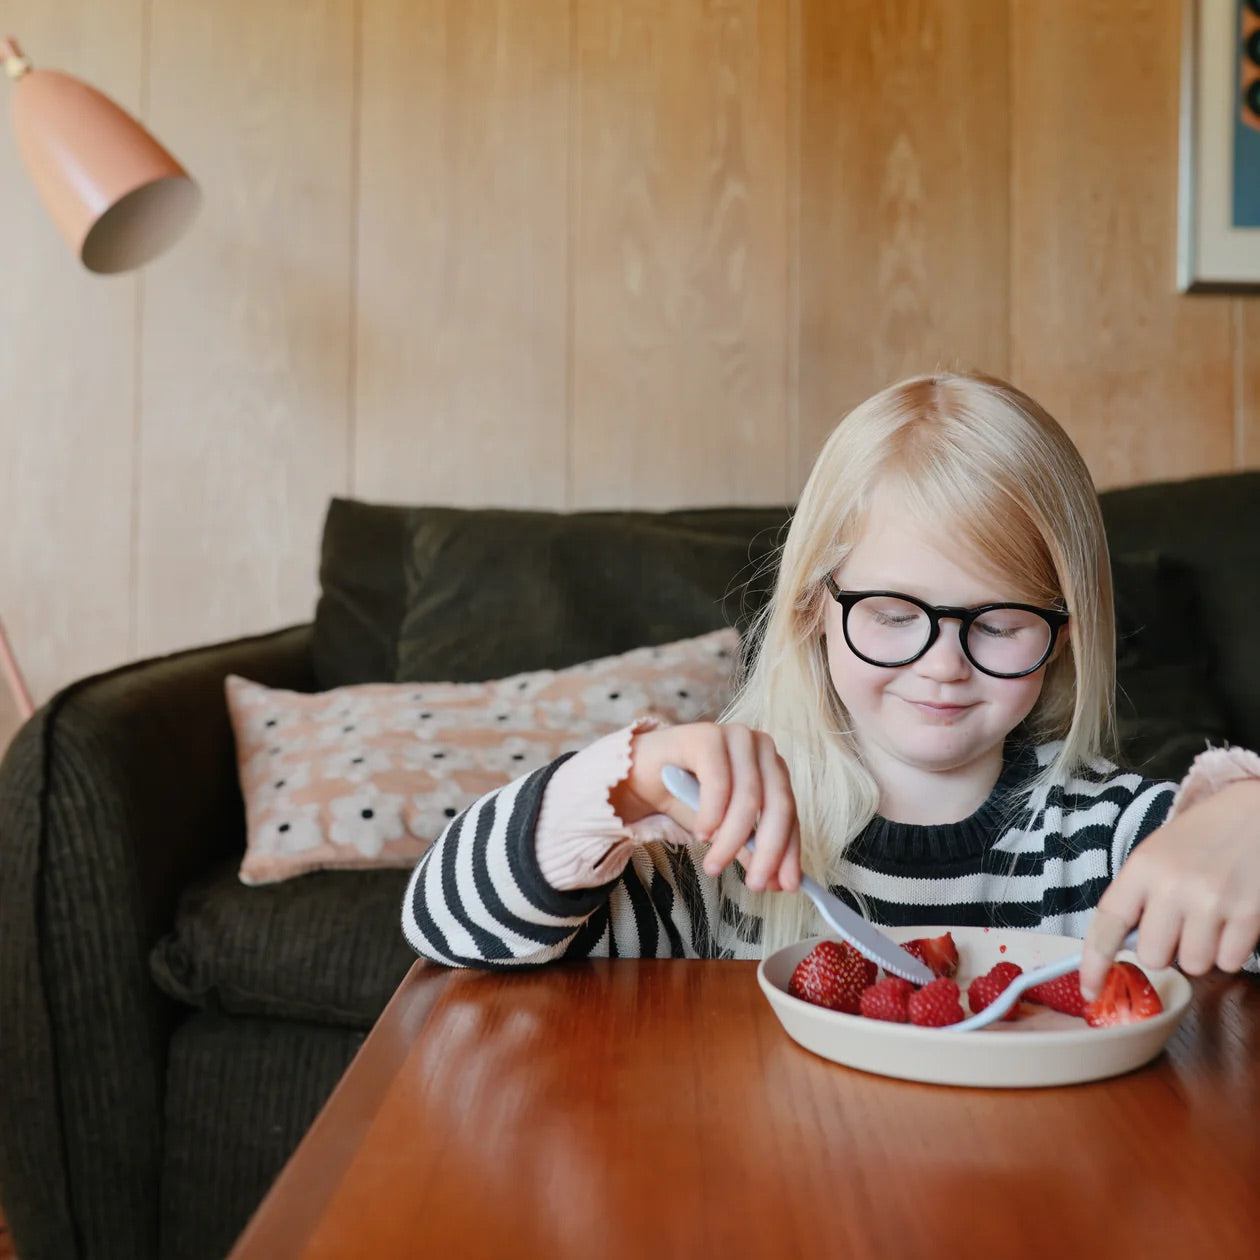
112	797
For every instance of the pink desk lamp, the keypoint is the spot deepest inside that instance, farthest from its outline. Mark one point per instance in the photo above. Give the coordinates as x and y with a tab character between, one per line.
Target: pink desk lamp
115	194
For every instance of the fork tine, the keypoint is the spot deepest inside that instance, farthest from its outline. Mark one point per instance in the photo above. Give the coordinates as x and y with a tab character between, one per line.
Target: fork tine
1021	984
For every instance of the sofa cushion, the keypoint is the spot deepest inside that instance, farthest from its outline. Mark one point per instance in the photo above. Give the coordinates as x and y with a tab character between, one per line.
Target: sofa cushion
1211	526
497	592
326	948
240	1093
369	775
378	560
362	592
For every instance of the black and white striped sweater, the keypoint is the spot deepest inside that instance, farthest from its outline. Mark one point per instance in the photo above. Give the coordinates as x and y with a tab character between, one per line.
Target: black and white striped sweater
478	898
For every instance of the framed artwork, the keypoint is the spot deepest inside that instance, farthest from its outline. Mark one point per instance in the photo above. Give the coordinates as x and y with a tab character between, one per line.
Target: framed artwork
1218	219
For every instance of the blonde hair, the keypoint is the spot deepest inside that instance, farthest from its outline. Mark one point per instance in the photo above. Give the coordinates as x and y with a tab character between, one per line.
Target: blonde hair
971	455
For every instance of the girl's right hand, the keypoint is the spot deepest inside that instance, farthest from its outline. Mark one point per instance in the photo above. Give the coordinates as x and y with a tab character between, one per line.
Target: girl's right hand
744	787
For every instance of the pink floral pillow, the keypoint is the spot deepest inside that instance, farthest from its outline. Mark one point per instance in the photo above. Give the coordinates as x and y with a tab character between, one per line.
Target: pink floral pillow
367	776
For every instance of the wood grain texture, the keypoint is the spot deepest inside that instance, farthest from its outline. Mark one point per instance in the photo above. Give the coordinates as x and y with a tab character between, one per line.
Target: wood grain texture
68	385
632	1108
246	326
1246	315
573	253
903	198
679	319
1139	375
463	253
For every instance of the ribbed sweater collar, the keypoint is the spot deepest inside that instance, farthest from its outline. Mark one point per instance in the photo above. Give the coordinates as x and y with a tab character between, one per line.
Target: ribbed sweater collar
885	843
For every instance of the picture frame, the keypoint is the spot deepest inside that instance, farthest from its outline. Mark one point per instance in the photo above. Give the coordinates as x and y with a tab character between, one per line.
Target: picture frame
1218	214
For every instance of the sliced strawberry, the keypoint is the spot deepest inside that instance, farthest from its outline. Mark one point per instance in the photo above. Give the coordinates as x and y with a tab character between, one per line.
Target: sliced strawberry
1063	994
935	1005
1127	996
887	1000
833	974
938	954
984	989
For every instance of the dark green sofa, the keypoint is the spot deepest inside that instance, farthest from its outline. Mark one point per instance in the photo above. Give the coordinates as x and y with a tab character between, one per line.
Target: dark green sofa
167	1034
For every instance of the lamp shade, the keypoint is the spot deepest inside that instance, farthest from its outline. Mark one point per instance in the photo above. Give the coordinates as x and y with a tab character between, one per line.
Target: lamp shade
115	194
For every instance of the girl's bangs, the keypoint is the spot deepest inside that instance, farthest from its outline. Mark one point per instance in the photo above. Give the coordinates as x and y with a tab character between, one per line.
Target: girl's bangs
988	523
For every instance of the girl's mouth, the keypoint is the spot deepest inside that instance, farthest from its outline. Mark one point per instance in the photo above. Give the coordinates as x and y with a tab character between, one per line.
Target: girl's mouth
938	710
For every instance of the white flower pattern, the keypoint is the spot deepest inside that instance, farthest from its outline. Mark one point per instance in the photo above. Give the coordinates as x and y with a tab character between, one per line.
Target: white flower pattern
295	830
369	775
358	765
367	821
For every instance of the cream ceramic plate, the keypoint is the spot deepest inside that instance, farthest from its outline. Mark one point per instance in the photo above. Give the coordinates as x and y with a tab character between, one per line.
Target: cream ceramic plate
1041	1048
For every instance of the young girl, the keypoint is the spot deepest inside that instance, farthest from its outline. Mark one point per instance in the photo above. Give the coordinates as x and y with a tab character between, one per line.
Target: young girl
923	727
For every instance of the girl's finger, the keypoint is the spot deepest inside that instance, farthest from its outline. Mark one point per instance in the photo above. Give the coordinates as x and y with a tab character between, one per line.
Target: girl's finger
788	872
1115	917
1239	938
789	877
778	815
1199	943
712	767
740	818
1160	932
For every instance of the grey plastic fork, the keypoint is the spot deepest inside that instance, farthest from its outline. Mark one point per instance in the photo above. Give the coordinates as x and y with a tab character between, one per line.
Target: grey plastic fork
1017	987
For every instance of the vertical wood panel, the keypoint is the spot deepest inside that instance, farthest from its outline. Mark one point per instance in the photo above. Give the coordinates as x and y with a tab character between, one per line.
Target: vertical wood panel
67	382
680	271
463	230
246	325
1141	376
904	211
1247	404
573	252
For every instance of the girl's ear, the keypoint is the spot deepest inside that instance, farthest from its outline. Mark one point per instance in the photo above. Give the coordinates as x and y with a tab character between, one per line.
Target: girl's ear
1063	637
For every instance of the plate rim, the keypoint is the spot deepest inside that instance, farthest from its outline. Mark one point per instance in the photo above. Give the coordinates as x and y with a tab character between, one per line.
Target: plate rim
1175	991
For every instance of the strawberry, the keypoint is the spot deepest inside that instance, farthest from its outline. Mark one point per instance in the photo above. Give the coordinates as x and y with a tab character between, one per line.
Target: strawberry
1127	996
833	974
1063	994
869	969
985	989
938	954
935	1005
887	1000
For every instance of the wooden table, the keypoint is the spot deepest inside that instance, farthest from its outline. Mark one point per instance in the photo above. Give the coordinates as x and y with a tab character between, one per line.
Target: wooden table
657	1109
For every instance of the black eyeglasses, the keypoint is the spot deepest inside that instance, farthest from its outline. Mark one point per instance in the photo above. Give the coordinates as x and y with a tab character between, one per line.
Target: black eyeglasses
889	629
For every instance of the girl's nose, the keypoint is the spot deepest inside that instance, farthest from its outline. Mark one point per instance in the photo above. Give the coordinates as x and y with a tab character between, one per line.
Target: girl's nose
945	661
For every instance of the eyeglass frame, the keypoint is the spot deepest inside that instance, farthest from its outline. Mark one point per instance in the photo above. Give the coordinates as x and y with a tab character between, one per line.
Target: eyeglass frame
1055	618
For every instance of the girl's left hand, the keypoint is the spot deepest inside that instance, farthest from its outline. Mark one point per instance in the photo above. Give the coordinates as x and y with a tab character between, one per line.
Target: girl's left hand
1193	885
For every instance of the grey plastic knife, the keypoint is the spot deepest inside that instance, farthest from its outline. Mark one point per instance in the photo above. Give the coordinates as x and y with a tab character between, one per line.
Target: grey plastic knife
867	939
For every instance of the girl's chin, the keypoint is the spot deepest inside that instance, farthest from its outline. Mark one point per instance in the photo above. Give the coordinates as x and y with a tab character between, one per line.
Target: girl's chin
942	755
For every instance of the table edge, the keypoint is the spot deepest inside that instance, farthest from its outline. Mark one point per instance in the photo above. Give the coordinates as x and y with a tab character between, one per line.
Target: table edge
284	1221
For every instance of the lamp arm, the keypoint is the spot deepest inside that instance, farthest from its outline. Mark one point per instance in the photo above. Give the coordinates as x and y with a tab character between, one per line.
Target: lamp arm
13	676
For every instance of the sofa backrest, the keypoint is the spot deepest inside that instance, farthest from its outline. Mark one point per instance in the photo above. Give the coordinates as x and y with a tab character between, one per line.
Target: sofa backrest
462	595
439	593
1207	532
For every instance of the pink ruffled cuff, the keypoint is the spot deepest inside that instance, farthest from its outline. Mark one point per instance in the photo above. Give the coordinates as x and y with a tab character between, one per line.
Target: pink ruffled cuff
1210	771
579	840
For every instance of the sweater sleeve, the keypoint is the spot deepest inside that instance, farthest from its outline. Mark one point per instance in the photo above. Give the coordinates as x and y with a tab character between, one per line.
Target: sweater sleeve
480	897
1157	803
579	839
1146	810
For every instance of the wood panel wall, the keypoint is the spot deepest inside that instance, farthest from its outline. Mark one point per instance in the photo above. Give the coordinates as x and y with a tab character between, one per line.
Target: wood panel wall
573	253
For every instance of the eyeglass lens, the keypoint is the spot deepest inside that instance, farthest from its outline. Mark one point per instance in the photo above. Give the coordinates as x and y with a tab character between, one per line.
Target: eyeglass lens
890	631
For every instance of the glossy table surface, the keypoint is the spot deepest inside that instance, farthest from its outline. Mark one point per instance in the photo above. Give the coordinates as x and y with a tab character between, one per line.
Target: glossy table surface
657	1108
